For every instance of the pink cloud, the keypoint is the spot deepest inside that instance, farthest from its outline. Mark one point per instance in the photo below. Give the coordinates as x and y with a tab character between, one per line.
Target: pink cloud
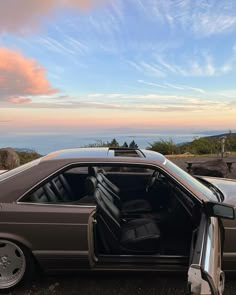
20	76
16	15
18	100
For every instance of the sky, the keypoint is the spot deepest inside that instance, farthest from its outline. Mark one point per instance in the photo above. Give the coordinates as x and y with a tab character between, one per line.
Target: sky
94	66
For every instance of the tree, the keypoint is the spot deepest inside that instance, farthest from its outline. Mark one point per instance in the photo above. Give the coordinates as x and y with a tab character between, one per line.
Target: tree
231	142
114	143
98	143
165	147
202	145
125	145
133	145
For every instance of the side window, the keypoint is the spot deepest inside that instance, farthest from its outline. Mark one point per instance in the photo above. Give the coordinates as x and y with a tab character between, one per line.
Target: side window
128	169
68	186
43	194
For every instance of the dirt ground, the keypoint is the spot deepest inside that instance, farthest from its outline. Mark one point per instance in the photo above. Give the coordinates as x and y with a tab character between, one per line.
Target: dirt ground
121	284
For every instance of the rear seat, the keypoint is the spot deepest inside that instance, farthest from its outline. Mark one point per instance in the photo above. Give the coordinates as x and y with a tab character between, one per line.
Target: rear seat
62	188
64	193
44	195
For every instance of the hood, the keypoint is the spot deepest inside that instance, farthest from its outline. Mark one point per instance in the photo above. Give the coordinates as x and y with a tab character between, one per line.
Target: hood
225	185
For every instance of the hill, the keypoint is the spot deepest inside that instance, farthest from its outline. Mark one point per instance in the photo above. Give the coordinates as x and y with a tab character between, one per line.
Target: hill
26	150
199	146
27	155
222	135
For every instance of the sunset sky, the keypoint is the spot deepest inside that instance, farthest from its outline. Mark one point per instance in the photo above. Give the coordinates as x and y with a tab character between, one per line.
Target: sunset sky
97	65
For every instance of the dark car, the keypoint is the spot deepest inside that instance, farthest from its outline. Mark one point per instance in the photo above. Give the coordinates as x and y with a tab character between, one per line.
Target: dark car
115	209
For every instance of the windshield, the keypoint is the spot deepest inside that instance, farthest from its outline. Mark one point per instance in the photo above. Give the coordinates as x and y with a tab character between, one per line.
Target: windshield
193	182
17	170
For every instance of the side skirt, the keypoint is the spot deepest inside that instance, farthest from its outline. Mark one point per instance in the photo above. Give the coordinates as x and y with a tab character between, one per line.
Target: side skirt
142	262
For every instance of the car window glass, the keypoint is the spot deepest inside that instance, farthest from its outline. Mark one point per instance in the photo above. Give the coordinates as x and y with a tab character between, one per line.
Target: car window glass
77	170
126	168
66	187
197	185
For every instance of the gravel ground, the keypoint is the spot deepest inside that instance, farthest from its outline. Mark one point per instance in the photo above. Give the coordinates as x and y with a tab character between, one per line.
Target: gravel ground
115	284
120	284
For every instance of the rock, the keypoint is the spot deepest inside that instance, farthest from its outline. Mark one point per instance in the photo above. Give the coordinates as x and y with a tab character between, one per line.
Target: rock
217	168
8	159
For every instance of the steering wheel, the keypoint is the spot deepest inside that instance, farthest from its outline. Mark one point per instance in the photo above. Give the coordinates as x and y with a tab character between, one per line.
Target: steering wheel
152	180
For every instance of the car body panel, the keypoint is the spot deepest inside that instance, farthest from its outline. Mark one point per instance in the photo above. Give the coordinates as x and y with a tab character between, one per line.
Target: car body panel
2	171
58	233
228	188
205	275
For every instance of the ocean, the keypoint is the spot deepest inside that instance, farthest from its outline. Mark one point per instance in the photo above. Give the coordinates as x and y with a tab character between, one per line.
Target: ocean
44	143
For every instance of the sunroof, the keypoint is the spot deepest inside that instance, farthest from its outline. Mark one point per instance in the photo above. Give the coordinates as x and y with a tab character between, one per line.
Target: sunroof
126	152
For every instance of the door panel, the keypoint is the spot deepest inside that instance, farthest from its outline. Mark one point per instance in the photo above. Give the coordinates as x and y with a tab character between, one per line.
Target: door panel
205	275
55	233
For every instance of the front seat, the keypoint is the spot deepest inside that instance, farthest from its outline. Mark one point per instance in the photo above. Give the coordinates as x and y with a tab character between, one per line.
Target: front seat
129	207
139	236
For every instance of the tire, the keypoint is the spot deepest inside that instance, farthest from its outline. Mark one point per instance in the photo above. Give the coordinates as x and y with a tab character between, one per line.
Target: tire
16	265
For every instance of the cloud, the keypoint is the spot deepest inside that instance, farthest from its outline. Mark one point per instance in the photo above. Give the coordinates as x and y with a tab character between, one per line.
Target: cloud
169	85
148	68
130	102
20	76
194	89
151	84
194	106
201	65
207	25
202	18
24	15
18	100
174	86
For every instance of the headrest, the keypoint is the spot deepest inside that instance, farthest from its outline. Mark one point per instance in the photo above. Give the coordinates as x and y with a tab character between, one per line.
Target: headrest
92	171
90	185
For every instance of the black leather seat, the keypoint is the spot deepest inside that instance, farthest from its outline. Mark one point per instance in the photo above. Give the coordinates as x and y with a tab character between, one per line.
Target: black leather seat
44	194
64	192
128	207
90	186
140	236
62	188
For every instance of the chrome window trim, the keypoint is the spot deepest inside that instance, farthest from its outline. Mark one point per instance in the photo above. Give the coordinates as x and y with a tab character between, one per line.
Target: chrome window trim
203	240
154	166
25	168
56	204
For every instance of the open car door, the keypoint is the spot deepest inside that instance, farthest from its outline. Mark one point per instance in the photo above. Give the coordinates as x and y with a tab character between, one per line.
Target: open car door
205	275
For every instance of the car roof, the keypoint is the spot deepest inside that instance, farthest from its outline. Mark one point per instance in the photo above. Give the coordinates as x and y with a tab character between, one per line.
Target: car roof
102	152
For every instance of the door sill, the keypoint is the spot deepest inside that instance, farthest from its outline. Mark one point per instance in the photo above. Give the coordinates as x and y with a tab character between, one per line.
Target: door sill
142	262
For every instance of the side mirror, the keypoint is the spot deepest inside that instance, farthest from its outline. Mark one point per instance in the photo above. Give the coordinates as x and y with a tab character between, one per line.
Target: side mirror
220	210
